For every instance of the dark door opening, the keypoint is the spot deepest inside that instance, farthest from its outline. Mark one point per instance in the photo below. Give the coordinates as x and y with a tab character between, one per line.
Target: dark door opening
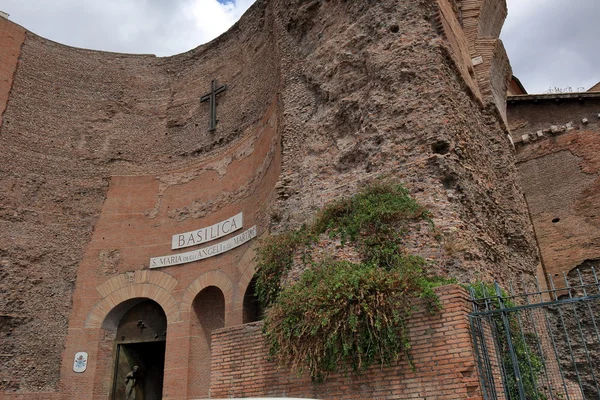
150	360
141	343
253	310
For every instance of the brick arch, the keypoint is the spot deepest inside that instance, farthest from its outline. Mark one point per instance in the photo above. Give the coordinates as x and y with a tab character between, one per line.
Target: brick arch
243	285
246	276
157	278
133	291
211	278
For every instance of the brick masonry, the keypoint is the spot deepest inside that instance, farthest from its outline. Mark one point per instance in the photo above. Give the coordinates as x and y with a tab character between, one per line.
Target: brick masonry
444	363
558	147
11	39
105	156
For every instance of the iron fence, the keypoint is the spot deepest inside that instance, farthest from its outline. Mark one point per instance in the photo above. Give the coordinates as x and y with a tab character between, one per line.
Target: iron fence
535	343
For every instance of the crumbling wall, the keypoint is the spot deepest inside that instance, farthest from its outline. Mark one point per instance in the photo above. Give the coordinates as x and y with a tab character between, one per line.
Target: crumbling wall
493	72
558	154
450	21
482	18
74	119
482	22
362	90
372	92
11	39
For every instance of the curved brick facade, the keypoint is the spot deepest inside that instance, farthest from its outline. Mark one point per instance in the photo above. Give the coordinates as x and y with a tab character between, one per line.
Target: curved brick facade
105	156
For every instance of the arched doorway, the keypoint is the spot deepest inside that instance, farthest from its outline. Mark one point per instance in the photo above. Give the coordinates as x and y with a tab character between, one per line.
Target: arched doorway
252	309
208	314
140	342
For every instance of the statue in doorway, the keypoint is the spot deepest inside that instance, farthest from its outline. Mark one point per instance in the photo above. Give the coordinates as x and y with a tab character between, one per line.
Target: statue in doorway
130	383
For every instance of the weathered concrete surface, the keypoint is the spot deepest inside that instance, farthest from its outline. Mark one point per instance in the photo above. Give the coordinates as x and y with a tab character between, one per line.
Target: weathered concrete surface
352	90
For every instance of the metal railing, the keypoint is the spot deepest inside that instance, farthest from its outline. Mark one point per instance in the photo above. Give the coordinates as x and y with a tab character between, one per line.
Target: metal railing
538	343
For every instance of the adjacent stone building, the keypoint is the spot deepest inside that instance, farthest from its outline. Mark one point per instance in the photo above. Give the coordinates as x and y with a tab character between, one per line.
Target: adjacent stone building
129	210
557	138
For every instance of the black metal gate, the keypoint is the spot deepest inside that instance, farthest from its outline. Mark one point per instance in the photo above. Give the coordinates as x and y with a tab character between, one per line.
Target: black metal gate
539	344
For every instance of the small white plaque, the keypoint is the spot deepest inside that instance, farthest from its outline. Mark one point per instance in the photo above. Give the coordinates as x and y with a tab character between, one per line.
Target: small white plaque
477	60
205	252
204	235
80	362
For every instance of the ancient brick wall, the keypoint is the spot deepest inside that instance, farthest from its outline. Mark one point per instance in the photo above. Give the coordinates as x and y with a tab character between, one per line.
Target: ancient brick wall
459	47
389	101
482	22
11	39
74	119
444	364
494	73
482	18
106	155
558	147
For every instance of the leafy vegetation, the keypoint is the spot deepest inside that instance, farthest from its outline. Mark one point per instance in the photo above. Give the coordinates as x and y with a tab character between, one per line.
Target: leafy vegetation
343	313
529	363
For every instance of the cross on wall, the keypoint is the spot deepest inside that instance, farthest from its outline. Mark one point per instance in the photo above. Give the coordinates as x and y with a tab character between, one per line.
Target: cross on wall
211	97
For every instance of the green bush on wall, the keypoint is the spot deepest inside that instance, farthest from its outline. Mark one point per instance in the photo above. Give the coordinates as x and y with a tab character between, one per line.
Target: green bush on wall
341	313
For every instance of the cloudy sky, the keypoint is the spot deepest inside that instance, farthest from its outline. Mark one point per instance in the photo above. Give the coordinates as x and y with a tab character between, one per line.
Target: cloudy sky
551	43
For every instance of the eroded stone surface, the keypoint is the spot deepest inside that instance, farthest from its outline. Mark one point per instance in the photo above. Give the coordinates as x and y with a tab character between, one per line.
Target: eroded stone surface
356	90
560	179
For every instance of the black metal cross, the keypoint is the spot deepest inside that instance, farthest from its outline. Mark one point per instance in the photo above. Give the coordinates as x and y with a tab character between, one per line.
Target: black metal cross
212	96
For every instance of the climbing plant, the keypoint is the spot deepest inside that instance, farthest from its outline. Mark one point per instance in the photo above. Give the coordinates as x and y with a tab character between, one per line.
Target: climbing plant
341	313
529	363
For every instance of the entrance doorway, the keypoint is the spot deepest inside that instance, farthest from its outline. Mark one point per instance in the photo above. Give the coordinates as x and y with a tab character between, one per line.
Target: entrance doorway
139	358
150	360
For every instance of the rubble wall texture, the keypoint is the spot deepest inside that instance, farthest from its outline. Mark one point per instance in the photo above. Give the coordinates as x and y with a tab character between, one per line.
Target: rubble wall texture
11	39
441	352
375	93
558	152
76	118
361	90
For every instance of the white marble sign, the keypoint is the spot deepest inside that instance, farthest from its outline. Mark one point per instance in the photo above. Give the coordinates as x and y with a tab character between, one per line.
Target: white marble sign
80	362
204	235
477	60
205	252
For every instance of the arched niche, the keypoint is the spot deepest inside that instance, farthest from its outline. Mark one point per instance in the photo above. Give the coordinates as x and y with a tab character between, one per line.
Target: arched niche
208	314
252	309
139	329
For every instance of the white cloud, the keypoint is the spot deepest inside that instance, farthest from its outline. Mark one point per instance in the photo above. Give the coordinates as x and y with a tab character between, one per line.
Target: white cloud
213	18
130	26
551	43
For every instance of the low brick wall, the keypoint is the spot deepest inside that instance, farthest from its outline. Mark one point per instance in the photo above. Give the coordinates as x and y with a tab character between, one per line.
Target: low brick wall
441	351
